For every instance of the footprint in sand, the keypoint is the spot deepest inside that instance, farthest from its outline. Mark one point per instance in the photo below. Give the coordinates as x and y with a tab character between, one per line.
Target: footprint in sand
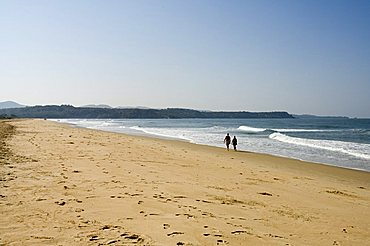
133	237
265	193
94	238
274	236
112	241
174	233
238	232
166	226
60	203
340	193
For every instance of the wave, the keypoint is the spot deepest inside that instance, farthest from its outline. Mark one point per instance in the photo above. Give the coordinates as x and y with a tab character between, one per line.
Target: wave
109	123
302	130
355	149
161	133
257	130
251	129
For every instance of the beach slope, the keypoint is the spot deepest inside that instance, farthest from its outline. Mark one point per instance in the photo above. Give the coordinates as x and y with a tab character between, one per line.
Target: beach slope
62	185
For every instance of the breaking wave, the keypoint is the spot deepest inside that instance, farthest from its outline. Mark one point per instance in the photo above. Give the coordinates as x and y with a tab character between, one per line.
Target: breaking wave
257	130
168	133
359	150
251	129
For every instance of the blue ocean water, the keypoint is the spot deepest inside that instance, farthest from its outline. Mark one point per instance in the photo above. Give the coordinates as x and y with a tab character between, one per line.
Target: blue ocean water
334	141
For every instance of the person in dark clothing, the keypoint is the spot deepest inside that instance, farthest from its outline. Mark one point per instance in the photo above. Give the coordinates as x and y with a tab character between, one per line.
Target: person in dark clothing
235	142
227	140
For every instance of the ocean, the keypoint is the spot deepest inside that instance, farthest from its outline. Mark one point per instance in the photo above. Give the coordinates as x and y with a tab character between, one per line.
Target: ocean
334	141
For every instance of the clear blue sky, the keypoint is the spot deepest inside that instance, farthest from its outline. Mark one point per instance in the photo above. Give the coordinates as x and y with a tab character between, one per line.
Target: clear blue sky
299	56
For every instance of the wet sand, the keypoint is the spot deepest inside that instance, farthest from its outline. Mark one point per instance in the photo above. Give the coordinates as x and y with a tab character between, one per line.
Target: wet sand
62	185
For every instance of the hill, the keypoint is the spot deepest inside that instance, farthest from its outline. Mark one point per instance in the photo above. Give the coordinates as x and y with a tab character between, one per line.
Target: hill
68	111
96	106
10	104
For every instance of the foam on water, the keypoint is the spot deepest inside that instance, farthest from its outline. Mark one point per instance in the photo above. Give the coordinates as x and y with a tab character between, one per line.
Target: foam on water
257	130
251	129
354	149
301	130
173	133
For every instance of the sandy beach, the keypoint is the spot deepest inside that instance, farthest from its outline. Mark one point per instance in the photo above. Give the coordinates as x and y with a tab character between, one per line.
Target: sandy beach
62	185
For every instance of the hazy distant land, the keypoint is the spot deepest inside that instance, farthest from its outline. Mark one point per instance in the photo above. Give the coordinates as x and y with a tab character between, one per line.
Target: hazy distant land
68	111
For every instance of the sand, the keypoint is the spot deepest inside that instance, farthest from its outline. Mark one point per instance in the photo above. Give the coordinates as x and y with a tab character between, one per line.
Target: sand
62	185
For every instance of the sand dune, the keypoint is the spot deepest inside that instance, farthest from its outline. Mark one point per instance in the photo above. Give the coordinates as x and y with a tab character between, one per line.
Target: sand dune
62	185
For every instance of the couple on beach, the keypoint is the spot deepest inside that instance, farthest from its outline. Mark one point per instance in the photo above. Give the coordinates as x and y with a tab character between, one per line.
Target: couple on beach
227	141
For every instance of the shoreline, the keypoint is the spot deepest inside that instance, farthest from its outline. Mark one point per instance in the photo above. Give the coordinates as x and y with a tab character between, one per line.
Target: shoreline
157	136
67	185
272	147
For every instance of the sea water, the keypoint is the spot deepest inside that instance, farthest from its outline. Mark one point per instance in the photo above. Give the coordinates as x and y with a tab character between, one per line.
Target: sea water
335	141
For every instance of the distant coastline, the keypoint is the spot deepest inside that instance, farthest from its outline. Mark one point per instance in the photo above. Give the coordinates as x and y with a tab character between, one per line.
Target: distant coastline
310	116
68	111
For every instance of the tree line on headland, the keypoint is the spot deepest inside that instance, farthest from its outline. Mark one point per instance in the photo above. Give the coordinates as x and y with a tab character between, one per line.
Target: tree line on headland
68	111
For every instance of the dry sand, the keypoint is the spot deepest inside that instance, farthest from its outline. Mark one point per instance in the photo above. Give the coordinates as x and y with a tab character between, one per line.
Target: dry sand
62	185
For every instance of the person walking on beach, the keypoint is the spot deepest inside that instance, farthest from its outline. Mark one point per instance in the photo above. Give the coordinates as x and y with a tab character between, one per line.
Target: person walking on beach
235	142
227	140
